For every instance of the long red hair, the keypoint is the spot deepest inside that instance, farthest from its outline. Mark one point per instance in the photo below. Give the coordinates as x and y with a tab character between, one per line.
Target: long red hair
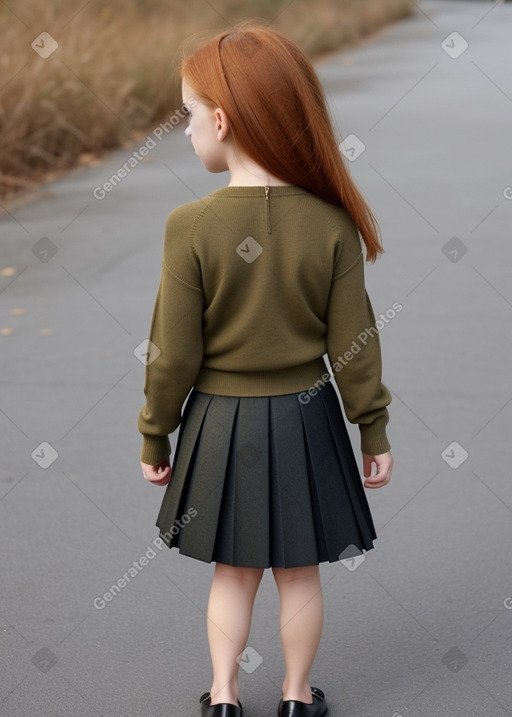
278	114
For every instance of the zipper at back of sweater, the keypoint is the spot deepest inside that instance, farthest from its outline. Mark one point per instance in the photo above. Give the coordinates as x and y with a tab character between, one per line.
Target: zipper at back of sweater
267	203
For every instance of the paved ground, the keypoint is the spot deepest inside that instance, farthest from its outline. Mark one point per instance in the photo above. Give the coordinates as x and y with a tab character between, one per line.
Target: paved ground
423	626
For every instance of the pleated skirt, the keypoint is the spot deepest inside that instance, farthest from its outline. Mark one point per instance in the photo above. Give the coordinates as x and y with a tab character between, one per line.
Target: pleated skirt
266	481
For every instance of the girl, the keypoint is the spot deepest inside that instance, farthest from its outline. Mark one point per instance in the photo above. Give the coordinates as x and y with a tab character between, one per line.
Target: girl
260	280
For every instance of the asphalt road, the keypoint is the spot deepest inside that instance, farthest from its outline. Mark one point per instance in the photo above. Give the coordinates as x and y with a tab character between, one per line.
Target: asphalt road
423	626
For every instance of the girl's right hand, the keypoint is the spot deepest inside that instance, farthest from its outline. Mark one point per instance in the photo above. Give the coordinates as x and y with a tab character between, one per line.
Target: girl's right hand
159	474
384	463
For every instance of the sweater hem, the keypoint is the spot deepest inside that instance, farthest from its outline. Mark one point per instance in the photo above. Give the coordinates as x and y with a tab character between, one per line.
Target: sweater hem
263	383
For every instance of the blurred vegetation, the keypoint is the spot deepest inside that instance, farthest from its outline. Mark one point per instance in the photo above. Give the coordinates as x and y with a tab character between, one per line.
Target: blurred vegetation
113	75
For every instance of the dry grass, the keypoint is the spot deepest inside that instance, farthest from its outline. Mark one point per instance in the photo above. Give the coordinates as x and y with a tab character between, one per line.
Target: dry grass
113	75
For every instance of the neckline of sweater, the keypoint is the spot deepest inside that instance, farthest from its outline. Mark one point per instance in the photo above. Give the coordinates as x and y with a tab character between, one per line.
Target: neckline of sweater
259	190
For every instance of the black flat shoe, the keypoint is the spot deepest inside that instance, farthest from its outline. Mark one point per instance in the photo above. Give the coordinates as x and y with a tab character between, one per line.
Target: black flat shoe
224	709
295	708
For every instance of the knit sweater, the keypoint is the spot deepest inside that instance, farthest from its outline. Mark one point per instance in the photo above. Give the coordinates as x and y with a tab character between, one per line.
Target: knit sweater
258	285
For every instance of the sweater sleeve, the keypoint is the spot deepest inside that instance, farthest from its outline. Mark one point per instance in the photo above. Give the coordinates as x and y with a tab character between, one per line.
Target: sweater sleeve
176	332
353	347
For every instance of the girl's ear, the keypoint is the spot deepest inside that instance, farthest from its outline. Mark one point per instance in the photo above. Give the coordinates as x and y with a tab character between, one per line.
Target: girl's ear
221	124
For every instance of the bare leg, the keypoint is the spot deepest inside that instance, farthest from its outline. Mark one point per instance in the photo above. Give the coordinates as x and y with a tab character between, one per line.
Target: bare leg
301	621
229	614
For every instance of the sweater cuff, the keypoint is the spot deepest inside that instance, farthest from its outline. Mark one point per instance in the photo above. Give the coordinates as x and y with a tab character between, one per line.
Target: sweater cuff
155	449
374	440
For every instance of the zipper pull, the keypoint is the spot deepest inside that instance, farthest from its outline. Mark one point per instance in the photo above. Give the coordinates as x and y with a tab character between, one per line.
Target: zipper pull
267	190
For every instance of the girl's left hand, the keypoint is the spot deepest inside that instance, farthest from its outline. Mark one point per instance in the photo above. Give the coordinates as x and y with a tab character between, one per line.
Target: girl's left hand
159	474
384	463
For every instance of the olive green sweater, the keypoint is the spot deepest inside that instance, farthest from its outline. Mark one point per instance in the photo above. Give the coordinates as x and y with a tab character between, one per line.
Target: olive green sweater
258	284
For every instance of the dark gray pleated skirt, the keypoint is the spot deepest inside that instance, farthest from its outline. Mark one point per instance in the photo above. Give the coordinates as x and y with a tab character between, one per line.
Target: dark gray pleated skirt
266	481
